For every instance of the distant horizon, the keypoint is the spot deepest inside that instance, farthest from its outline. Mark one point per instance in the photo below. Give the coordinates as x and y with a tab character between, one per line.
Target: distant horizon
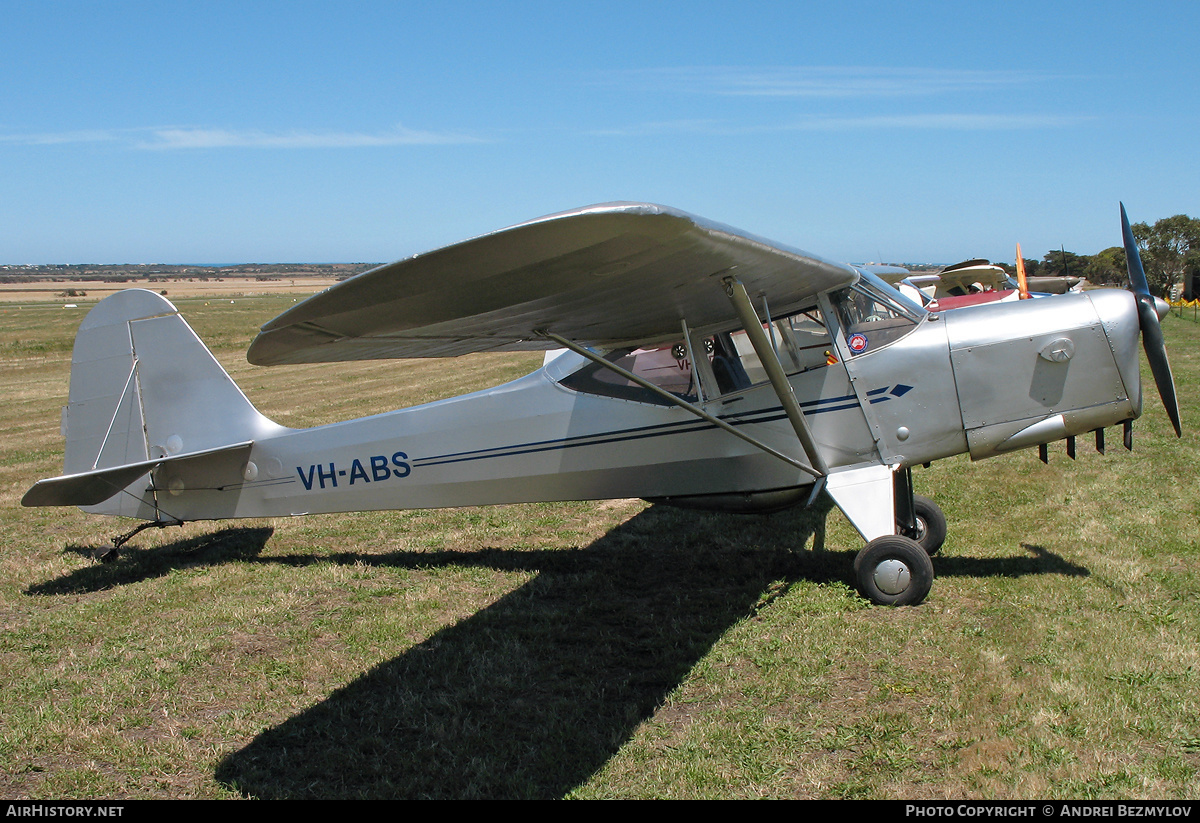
6	266
206	265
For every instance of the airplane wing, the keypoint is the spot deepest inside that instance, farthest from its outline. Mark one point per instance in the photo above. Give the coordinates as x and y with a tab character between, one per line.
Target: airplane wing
603	276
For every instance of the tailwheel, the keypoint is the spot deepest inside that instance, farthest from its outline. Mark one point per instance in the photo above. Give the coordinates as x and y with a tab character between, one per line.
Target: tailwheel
931	524
893	570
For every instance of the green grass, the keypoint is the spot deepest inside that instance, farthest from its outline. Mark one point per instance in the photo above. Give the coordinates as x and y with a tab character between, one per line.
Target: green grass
594	650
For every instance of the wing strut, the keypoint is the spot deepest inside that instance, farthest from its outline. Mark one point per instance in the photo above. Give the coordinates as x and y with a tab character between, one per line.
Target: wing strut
770	361
683	404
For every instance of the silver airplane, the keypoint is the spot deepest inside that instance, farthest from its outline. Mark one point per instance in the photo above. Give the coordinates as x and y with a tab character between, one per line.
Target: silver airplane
689	363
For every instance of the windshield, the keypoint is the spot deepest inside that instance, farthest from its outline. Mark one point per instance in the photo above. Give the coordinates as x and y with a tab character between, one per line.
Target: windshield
872	314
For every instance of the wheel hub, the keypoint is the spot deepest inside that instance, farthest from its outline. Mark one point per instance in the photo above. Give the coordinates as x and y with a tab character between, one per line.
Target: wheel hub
892	576
921	529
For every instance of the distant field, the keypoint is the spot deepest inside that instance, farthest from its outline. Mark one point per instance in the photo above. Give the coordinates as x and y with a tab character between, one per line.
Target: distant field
47	290
592	650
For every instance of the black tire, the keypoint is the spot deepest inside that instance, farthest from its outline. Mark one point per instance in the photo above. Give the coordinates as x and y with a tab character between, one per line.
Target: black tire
931	524
893	570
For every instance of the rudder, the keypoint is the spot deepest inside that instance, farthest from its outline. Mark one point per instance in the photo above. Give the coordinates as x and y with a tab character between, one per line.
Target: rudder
144	386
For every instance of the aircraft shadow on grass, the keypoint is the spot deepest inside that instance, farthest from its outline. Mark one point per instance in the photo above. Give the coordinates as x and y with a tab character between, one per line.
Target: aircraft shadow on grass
227	545
532	695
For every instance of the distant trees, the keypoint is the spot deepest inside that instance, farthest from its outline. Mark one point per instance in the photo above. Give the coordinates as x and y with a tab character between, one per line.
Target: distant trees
1170	252
1107	268
1061	264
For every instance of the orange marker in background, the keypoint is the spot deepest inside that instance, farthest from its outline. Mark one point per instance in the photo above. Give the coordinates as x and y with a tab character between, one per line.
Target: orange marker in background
1022	286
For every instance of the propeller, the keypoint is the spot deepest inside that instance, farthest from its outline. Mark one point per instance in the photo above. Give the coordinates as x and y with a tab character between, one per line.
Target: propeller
1148	318
1022	281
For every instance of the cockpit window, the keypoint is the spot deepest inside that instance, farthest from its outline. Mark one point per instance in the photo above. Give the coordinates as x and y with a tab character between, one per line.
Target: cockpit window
665	366
728	362
805	342
872	317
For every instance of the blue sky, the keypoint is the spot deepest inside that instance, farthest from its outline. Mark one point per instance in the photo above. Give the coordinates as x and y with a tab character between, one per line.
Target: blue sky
212	132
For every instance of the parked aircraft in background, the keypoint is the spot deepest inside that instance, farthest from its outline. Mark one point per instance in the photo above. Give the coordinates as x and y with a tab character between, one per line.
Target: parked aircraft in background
968	284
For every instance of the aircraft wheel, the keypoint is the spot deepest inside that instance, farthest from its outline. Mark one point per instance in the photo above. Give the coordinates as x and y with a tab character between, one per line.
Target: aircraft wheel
893	570
931	524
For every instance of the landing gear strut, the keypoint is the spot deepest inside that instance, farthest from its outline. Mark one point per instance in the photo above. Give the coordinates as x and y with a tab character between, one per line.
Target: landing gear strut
918	517
930	524
108	555
895	569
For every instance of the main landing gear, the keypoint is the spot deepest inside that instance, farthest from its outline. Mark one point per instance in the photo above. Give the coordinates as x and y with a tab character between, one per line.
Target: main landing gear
895	569
930	524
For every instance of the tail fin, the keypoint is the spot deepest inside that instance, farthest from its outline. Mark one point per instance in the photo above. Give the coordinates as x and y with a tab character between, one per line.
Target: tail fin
144	390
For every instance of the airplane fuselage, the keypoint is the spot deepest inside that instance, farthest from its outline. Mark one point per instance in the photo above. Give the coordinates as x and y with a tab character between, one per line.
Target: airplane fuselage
978	380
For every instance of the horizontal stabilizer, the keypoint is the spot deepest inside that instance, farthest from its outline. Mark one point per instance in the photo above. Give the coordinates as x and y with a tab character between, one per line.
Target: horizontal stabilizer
93	487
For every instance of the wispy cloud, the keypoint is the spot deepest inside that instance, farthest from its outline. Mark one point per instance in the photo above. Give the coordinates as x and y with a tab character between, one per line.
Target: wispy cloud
908	122
180	138
816	81
846	92
60	138
950	122
202	138
684	126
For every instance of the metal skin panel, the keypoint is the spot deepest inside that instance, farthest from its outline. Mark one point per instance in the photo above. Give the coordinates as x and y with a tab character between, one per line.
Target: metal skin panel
992	323
1009	380
1019	364
602	276
924	423
1118	313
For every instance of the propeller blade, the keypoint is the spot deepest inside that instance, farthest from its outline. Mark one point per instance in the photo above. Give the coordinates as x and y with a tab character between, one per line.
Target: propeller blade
1022	281
1133	260
1148	319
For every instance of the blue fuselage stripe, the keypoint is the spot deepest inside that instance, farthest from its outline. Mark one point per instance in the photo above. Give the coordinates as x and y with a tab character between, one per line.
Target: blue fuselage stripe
768	415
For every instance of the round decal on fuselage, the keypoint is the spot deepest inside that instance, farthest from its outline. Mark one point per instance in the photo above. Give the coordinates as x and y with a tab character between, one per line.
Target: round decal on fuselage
857	343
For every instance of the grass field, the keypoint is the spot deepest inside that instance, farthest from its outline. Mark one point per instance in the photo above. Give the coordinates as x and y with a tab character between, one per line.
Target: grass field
593	650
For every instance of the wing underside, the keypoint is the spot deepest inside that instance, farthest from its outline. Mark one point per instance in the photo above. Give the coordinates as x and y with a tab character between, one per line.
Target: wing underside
602	276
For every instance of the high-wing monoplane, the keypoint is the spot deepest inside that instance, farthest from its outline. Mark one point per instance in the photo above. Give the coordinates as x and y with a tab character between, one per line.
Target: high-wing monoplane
704	367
